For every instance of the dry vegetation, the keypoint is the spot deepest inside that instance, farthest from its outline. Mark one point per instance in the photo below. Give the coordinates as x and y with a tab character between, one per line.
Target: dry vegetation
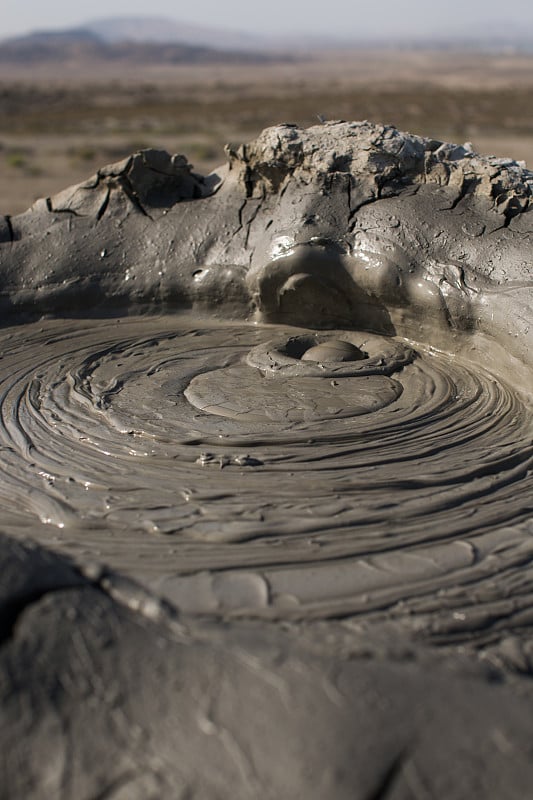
57	129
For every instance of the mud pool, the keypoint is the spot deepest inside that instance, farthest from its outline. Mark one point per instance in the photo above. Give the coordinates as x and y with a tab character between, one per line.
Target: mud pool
205	460
266	449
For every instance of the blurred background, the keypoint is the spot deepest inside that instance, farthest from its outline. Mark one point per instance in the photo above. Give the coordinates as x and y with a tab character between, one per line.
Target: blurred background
79	90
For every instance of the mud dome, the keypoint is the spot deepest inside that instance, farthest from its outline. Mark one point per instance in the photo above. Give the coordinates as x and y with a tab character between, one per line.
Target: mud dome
265	458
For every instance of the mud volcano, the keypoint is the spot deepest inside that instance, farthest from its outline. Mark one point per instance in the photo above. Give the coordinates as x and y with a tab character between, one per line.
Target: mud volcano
265	454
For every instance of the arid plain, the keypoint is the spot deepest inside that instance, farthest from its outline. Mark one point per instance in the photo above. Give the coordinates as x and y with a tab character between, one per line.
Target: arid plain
57	126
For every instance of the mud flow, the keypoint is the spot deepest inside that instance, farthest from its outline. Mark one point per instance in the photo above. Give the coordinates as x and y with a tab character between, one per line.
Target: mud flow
264	467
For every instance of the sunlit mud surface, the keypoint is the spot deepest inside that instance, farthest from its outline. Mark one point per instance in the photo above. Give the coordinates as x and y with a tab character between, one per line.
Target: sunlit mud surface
223	465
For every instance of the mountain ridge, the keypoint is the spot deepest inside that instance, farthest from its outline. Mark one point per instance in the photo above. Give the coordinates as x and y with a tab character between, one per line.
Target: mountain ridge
87	44
110	35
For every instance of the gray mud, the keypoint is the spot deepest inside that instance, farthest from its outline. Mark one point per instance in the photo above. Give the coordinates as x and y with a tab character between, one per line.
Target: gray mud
204	459
276	426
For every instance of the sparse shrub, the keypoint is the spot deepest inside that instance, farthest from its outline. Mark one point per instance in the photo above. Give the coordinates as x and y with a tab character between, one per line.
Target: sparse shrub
16	160
85	153
203	151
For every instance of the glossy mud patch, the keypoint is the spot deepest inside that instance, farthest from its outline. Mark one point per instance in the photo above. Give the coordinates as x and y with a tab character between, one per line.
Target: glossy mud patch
216	463
287	382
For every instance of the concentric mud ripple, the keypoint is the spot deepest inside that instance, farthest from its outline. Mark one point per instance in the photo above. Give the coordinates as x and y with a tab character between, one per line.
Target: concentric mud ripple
214	462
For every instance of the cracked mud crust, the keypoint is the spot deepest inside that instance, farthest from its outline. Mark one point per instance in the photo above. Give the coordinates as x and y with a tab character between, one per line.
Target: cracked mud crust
266	476
341	225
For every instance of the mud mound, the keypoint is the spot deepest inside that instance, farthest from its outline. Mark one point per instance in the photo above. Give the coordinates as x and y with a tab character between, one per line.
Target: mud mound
276	425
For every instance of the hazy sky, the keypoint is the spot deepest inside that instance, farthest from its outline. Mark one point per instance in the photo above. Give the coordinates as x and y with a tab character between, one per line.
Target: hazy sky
336	17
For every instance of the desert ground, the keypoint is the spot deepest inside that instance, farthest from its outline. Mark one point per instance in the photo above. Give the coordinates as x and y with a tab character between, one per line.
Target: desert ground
58	126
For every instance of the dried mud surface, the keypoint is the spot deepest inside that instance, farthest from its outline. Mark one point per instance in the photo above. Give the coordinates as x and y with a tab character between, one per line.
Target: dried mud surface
266	449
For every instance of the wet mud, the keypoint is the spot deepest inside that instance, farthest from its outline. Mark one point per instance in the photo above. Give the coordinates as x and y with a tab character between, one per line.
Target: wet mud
217	463
268	435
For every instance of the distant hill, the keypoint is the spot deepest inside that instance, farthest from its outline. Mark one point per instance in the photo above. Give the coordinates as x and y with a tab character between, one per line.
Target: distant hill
106	39
87	45
159	40
161	29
